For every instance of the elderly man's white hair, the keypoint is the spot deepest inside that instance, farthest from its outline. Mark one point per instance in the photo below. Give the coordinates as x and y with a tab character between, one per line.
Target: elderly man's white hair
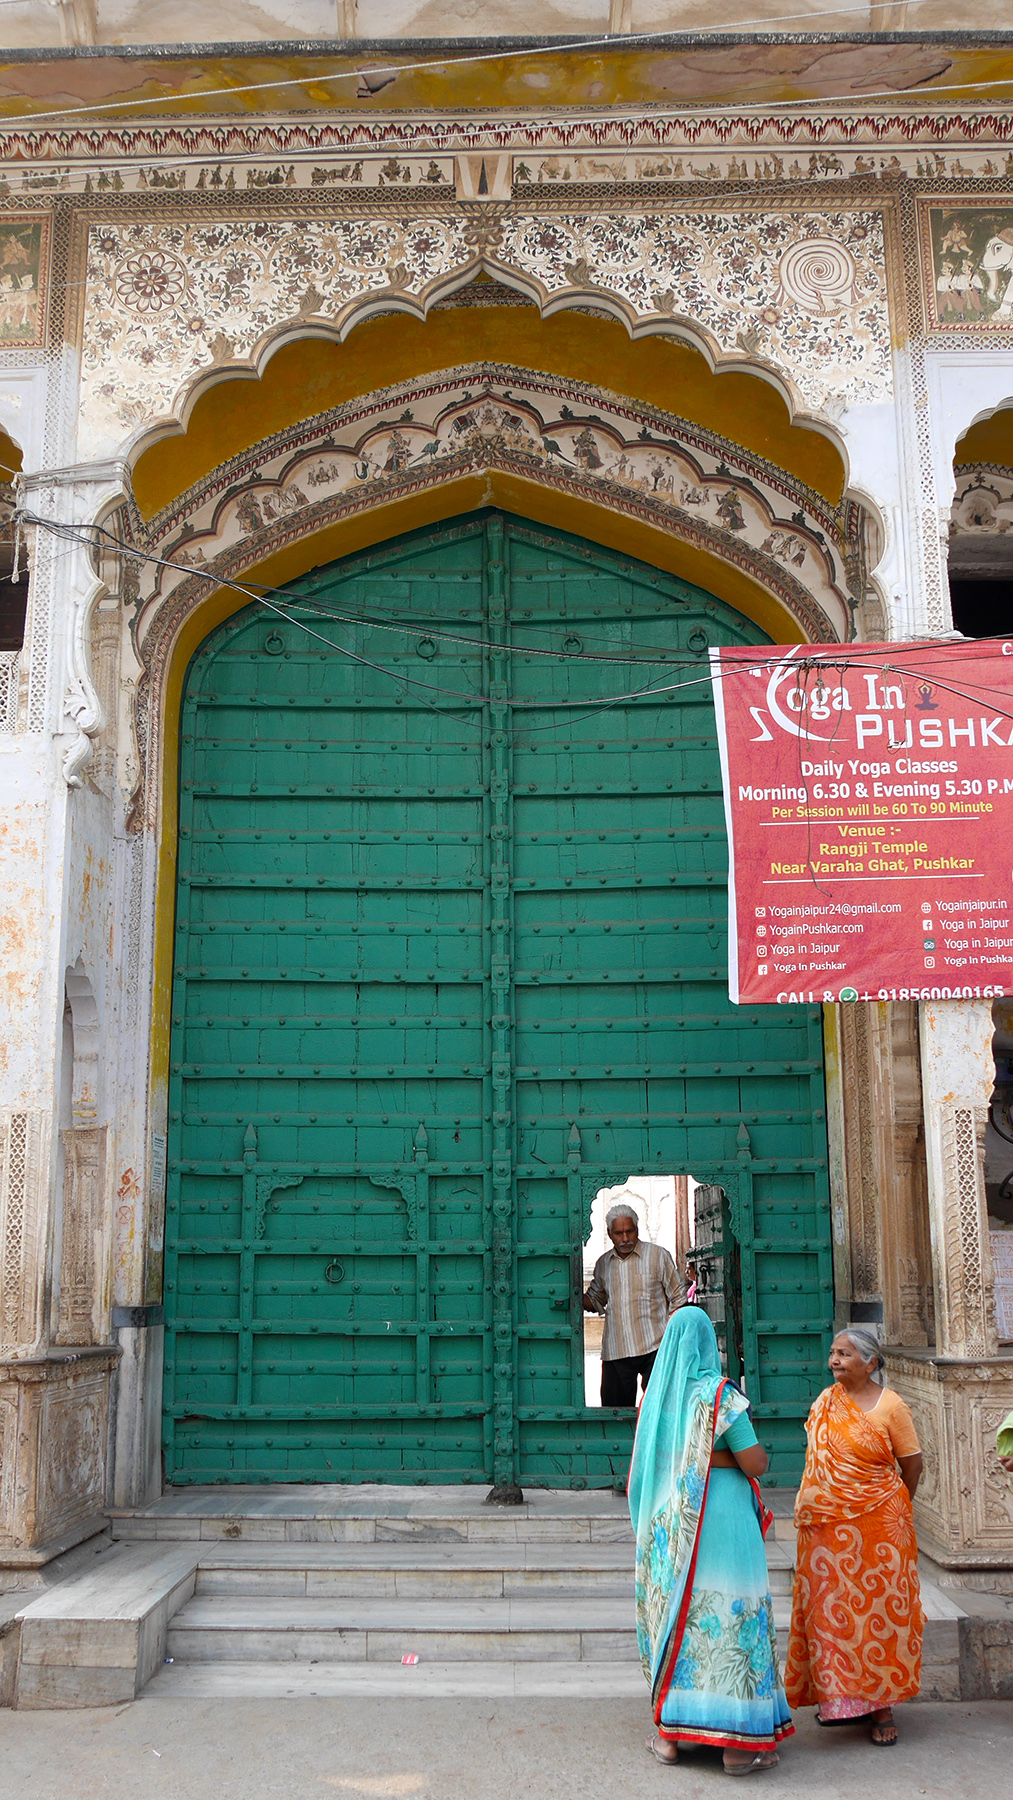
623	1209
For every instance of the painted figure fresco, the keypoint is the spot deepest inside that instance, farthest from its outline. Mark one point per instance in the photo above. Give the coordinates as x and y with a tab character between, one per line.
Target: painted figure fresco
21	276
972	266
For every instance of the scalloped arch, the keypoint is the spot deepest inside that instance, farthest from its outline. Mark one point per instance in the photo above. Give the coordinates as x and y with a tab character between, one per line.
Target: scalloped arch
306	367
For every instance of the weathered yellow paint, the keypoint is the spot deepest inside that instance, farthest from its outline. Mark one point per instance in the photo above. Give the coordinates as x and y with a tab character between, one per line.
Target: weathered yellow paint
990	441
313	374
661	75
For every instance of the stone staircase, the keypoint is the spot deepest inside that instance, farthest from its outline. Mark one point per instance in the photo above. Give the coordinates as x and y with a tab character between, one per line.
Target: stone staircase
374	1591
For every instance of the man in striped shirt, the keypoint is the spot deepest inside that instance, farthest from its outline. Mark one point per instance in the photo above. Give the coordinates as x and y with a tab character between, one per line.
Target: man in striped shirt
637	1287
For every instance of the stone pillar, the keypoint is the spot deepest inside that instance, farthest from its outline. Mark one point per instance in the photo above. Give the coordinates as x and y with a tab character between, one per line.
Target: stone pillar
961	1388
908	1297
957	1078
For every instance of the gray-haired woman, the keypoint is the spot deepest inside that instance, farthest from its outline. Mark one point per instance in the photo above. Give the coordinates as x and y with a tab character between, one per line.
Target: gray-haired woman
855	1648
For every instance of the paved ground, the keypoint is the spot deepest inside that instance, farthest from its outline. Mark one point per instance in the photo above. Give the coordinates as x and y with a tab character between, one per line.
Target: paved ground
160	1749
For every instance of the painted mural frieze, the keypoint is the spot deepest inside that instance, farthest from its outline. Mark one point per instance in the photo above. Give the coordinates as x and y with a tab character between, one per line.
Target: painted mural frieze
969	266
24	277
706	161
710	161
166	300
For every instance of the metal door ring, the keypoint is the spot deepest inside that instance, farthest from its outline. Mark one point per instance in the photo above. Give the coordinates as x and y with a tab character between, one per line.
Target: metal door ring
339	1276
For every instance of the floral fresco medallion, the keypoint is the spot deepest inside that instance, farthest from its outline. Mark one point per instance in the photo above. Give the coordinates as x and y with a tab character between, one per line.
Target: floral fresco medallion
804	293
164	301
24	279
968	266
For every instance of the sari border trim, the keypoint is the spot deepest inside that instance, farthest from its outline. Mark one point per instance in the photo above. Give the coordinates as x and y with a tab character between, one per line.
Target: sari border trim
726	1740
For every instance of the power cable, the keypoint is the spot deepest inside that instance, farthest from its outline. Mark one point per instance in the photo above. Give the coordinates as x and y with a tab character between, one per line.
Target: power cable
813	660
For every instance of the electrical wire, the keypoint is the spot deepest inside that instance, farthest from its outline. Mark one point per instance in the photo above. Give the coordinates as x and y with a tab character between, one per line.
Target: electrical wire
818	654
812	660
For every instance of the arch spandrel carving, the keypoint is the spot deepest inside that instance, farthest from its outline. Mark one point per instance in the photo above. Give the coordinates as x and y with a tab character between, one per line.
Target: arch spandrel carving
658	486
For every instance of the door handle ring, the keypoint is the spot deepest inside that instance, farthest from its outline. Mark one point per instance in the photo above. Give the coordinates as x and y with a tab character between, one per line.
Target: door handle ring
339	1276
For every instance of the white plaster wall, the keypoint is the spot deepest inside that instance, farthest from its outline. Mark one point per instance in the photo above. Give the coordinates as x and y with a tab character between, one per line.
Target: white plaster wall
964	387
32	872
48	23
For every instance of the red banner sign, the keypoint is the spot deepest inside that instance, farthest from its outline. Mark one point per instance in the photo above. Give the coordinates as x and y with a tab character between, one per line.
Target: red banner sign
869	800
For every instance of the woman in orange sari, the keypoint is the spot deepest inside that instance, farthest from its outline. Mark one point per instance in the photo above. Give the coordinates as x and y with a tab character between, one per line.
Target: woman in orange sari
855	1648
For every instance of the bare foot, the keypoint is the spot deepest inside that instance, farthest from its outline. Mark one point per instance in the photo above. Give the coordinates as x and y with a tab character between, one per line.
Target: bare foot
663	1750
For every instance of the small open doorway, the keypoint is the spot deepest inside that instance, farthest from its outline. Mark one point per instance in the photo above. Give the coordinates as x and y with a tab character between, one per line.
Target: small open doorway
689	1219
664	1205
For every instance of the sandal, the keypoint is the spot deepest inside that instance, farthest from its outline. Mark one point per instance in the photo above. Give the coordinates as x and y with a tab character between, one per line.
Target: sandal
764	1759
667	1762
879	1726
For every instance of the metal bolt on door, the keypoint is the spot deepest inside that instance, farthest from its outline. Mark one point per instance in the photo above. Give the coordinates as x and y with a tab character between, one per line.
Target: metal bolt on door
450	956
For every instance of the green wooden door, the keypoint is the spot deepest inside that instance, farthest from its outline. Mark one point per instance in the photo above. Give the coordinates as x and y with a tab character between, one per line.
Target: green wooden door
451	957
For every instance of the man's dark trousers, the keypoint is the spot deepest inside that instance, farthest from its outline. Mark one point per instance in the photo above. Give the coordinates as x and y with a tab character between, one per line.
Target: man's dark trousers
619	1378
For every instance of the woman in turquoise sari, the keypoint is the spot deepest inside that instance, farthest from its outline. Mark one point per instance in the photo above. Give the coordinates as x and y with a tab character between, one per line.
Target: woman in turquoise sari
704	1615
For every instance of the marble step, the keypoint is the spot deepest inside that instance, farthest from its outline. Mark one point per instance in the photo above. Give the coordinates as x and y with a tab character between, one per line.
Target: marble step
330	1514
507	1680
245	1629
430	1571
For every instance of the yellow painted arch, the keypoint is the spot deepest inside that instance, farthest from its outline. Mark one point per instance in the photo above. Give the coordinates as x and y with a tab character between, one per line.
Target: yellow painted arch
313	374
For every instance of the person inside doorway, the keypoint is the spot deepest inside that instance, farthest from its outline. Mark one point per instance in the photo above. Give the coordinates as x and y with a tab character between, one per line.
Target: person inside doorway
636	1286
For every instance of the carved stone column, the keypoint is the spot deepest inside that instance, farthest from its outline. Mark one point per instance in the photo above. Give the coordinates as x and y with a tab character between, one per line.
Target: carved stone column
81	1317
883	1171
908	1301
24	1137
